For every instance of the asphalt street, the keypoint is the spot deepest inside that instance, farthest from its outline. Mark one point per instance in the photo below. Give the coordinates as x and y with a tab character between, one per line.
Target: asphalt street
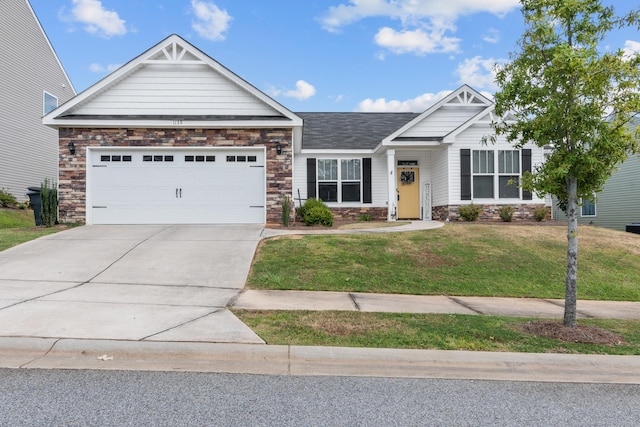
97	398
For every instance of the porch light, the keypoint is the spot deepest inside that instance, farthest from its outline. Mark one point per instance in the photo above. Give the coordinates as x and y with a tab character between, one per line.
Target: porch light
279	149
72	148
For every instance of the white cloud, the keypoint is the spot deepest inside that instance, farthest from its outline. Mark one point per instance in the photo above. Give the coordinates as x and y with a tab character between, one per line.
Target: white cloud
302	91
99	68
416	105
417	41
424	23
478	72
99	21
491	36
631	48
212	22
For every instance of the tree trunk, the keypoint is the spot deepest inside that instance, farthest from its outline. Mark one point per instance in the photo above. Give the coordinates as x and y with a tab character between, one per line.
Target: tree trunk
571	283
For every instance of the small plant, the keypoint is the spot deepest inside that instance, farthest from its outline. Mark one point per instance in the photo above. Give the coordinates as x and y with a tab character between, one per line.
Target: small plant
286	210
506	213
365	217
540	214
315	212
469	212
49	209
7	200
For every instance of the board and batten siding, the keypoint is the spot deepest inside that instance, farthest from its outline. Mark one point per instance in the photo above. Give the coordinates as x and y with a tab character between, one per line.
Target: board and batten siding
29	66
442	121
187	89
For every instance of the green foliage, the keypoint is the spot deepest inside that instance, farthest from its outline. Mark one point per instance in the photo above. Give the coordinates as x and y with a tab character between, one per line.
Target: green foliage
7	200
49	196
540	214
469	212
286	210
314	212
365	217
562	92
318	215
506	213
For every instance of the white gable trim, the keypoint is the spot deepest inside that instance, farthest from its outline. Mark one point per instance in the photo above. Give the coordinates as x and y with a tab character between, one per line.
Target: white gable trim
477	119
463	97
174	51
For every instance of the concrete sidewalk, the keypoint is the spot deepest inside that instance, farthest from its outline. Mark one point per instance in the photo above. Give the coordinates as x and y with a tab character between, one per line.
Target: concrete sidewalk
394	303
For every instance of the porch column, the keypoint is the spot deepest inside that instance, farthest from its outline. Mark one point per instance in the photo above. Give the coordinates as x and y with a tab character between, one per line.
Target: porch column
392	212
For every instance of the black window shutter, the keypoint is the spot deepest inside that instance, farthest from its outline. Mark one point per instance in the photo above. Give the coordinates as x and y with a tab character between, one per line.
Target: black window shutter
465	174
311	178
526	167
366	180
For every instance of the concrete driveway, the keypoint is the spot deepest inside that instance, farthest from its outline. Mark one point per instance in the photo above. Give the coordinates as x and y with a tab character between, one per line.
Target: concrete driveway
129	282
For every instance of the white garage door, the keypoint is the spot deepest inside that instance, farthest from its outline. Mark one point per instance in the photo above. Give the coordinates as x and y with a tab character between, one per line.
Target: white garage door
208	186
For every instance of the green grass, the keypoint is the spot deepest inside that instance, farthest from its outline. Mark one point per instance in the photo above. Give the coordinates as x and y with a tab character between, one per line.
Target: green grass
425	331
18	226
458	259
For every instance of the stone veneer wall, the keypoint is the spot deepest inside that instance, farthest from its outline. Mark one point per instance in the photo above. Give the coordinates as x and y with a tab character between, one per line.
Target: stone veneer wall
353	214
489	212
72	178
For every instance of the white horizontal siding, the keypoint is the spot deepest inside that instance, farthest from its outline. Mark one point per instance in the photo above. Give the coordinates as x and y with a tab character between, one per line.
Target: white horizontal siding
28	149
440	177
471	138
442	121
378	178
175	89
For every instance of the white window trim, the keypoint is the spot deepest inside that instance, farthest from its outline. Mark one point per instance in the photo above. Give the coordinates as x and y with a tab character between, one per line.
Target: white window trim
595	208
44	102
340	181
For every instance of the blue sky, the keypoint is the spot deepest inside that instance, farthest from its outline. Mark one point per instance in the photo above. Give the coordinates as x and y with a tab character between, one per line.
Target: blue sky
309	55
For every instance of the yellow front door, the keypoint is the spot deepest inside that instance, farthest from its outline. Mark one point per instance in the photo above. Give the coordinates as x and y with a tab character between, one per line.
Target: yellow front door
408	193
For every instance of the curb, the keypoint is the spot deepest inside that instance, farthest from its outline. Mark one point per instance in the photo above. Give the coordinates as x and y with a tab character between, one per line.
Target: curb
46	353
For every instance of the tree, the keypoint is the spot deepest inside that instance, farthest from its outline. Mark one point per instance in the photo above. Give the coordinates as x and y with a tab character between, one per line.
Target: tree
561	92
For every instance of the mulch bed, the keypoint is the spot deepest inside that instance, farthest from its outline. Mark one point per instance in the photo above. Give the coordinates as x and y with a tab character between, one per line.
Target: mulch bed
580	334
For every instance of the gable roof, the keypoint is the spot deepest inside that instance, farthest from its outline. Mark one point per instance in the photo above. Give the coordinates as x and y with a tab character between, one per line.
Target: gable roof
349	131
431	127
173	84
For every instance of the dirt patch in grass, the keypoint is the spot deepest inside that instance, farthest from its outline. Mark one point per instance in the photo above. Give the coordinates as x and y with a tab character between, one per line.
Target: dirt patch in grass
585	334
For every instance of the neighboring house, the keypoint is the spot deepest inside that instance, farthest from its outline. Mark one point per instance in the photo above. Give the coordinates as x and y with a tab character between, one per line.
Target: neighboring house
32	83
618	204
175	137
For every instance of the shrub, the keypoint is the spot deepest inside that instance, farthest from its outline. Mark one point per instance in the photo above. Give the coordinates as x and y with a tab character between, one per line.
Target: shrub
286	210
49	209
315	212
540	214
506	213
7	200
365	218
469	212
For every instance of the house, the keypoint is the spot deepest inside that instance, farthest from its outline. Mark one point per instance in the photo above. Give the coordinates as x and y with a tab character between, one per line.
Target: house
175	137
32	83
618	204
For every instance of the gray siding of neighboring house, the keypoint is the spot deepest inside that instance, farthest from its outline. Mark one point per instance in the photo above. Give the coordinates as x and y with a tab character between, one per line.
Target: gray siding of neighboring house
619	202
29	66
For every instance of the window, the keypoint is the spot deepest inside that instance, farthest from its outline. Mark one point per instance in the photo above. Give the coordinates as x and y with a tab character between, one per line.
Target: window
483	168
49	103
508	174
328	180
340	184
588	207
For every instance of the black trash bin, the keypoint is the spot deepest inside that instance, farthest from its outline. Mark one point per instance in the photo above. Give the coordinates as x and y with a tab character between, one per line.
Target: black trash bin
633	228
36	203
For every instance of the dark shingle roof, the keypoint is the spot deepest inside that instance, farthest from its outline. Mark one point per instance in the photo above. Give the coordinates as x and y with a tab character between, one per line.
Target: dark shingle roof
349	131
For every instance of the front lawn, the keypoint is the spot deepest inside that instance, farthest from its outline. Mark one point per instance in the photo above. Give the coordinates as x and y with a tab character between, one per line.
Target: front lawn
458	259
18	226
